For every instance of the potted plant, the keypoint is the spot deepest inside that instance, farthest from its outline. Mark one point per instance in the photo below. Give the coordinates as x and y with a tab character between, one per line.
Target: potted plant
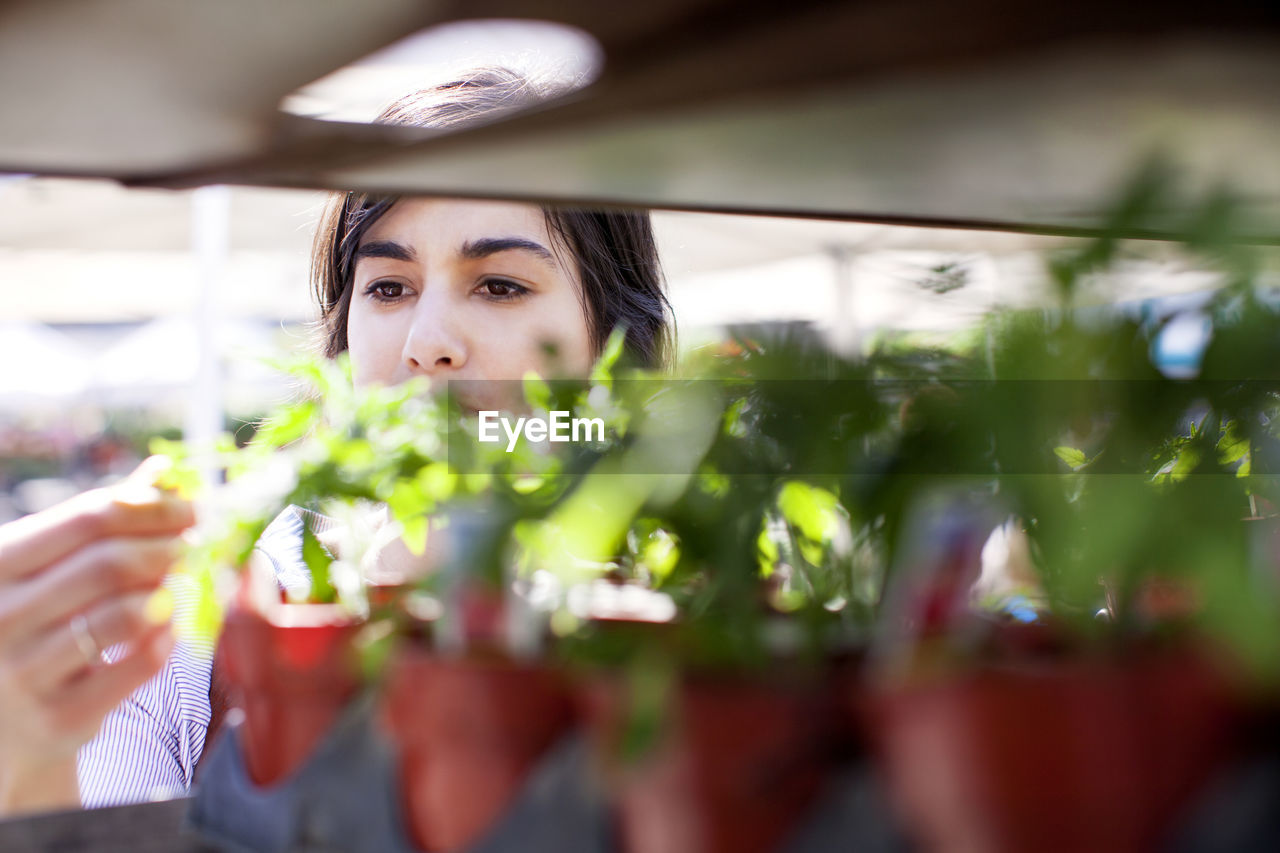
290	669
463	693
1083	731
292	639
716	721
469	702
473	700
712	576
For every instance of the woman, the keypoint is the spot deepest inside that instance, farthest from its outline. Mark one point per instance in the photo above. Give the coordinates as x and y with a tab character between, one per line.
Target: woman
442	288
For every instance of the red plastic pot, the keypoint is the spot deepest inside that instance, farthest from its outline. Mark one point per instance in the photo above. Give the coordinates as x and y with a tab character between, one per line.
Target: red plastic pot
291	676
1058	756
736	766
469	732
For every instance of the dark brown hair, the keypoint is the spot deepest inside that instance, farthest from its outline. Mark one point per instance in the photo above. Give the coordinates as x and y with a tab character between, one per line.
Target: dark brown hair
615	256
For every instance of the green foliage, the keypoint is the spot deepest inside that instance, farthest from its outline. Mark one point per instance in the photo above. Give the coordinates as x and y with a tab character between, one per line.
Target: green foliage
336	447
773	484
1162	470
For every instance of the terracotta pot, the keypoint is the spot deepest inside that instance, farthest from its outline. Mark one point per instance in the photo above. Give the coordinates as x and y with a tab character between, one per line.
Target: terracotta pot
469	731
290	680
737	764
1059	756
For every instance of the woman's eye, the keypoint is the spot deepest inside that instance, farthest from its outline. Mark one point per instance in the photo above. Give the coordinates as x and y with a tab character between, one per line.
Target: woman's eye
502	290
385	291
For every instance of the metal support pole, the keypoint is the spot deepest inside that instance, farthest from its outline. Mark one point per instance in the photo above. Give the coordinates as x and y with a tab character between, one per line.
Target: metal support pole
846	336
210	245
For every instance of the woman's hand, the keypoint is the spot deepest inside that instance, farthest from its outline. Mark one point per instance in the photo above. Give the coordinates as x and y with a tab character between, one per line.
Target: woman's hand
74	581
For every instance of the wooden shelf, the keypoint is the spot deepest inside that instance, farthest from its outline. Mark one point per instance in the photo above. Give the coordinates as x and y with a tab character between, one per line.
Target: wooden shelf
987	113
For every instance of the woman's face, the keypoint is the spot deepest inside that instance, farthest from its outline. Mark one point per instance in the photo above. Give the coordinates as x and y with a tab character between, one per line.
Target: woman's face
453	289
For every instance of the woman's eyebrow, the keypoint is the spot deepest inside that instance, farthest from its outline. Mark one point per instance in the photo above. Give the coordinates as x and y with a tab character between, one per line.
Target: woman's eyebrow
385	249
476	249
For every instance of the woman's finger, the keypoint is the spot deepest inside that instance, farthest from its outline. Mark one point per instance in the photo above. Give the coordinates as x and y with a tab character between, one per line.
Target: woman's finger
101	570
133	508
64	651
76	713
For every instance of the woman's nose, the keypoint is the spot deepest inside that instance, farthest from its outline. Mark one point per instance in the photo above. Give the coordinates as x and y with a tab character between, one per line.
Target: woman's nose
433	344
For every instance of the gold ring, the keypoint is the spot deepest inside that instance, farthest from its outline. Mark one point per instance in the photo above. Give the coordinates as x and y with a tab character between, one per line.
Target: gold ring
84	640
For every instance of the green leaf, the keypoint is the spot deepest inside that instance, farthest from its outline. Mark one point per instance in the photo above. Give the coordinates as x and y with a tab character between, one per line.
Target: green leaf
289	425
712	482
659	552
317	560
602	370
1074	458
766	551
409	505
1186	462
526	484
415	534
437	482
813	552
183	479
809	509
1231	446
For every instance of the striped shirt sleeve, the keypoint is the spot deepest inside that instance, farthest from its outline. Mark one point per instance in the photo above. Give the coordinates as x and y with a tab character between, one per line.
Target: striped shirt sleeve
148	748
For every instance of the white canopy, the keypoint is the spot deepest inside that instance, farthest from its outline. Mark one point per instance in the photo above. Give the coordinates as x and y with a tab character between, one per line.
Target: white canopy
40	365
